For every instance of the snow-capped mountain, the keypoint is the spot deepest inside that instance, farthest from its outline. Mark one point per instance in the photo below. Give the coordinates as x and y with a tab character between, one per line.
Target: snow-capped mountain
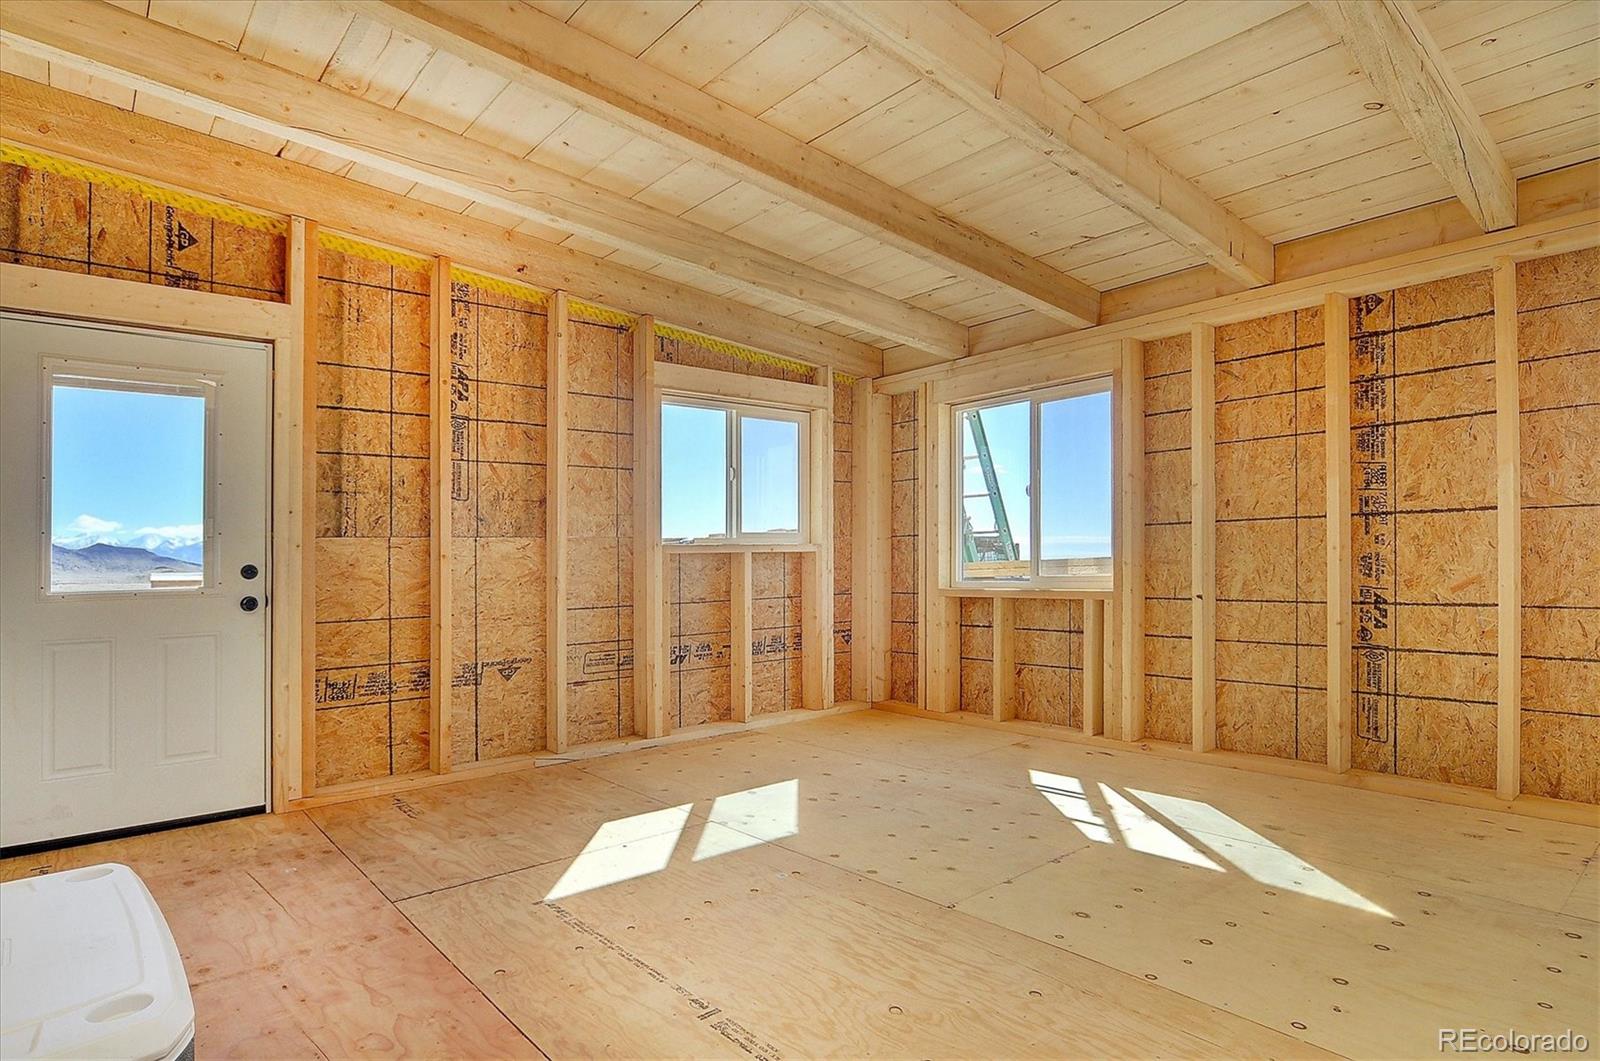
182	542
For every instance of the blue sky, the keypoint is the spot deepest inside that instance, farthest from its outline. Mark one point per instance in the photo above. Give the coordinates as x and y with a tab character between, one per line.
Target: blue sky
694	457
1075	479
1075	474
125	466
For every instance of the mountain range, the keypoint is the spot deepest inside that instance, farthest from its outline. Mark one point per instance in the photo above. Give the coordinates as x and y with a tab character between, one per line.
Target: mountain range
103	559
187	550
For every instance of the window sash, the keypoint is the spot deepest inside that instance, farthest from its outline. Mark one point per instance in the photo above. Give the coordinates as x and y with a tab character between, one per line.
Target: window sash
1036	400
733	528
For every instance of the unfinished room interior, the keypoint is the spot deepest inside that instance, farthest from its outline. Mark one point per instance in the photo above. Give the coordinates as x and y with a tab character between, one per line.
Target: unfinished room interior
799	528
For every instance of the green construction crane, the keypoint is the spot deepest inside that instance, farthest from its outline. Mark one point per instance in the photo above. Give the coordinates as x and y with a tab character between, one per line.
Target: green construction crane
997	545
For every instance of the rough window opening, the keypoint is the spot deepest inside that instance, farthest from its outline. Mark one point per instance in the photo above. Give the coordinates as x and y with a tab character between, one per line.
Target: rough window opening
732	473
1033	489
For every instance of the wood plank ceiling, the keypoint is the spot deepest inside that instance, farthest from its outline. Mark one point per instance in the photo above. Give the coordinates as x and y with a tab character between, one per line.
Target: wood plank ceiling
1253	108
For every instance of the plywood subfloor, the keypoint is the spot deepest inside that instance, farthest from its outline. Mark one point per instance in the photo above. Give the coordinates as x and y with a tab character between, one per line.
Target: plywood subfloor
871	884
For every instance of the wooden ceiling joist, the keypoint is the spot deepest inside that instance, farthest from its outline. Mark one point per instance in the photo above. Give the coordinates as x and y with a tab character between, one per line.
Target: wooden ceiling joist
951	50
527	46
58	121
1398	55
131	50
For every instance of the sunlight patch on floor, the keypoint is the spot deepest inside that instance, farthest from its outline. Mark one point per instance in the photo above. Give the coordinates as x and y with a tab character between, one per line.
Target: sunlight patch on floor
1066	795
1164	825
622	850
751	818
1259	858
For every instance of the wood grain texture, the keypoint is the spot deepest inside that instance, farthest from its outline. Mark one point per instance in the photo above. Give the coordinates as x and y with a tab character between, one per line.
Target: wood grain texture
99	133
1397	53
217	80
530	47
608	905
948	48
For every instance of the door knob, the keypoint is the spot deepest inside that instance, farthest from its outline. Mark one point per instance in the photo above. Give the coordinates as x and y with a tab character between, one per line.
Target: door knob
249	604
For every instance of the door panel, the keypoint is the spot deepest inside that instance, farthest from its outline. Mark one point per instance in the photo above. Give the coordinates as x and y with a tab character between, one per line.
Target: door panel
134	487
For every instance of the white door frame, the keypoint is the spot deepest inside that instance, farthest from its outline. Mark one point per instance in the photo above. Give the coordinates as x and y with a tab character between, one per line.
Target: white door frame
102	300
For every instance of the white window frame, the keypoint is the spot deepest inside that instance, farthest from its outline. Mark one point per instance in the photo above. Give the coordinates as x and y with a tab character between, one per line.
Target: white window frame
1033	580
734	528
133	379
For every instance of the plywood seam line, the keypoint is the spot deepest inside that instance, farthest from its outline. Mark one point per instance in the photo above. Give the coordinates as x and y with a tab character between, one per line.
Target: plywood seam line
129	49
18	155
59	121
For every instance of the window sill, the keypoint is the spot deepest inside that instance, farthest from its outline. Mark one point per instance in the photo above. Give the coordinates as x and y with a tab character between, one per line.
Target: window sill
1094	591
739	547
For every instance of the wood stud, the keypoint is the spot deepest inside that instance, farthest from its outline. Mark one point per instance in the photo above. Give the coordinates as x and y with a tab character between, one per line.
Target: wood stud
439	474
1336	430
1508	524
558	374
304	298
1128	531
1203	536
650	626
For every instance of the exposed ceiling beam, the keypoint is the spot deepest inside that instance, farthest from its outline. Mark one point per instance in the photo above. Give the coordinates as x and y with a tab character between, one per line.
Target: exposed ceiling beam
951	50
59	122
129	49
1397	53
529	47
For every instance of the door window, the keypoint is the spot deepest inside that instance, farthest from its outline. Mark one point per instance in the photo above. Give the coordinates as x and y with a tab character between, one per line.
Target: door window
126	499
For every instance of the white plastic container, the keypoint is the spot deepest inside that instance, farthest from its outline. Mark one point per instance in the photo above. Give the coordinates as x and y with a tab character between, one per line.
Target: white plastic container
89	969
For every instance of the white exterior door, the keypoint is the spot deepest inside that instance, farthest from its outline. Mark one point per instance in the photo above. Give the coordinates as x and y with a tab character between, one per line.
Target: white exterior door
134	479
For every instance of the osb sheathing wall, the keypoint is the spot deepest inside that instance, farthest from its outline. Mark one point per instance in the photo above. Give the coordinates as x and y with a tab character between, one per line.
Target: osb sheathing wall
1558	337
498	408
600	533
700	636
1167	648
679	351
372	519
977	654
776	648
1424	592
905	554
1271	608
843	522
60	222
1047	661
1422	407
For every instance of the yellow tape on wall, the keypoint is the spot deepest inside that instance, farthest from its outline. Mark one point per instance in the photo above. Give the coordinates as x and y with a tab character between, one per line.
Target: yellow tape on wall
743	353
588	311
156	193
333	241
509	288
